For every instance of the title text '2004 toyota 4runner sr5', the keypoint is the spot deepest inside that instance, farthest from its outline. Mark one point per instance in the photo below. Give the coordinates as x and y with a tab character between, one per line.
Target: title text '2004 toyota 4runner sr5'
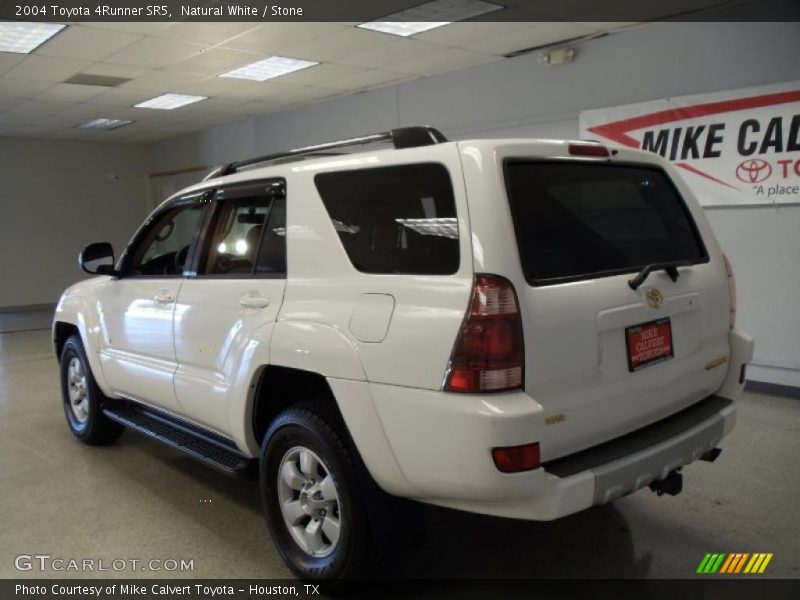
520	328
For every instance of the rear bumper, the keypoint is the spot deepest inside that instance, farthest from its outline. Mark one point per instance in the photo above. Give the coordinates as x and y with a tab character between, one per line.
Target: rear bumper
441	444
609	471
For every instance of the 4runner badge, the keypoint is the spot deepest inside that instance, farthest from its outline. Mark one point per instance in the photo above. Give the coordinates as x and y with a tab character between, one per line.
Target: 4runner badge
654	298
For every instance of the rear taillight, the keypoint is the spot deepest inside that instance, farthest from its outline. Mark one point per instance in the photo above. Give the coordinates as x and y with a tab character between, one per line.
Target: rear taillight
731	290
488	355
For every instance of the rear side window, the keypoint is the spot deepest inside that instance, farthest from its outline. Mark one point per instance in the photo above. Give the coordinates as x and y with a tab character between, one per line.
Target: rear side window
394	219
577	220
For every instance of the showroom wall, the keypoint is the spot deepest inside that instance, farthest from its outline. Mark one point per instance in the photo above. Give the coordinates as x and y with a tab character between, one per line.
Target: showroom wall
519	97
56	197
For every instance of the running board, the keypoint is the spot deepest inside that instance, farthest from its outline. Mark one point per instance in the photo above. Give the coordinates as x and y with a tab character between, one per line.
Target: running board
205	446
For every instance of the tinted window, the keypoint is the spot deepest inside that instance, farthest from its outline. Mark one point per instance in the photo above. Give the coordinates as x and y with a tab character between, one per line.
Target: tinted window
248	234
237	235
164	246
394	219
576	220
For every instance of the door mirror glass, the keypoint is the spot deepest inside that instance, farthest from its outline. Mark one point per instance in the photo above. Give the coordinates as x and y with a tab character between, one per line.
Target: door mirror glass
97	259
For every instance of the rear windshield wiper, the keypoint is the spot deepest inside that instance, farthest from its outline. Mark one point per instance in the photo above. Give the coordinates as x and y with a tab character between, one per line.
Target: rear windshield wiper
670	267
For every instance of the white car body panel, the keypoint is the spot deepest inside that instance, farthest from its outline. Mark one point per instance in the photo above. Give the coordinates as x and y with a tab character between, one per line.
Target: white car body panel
138	351
212	332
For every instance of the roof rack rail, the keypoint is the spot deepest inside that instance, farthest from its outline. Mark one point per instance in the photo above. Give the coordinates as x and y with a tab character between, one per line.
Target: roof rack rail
401	137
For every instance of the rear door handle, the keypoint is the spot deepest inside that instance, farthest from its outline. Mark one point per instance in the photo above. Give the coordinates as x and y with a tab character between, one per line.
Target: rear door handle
162	298
253	302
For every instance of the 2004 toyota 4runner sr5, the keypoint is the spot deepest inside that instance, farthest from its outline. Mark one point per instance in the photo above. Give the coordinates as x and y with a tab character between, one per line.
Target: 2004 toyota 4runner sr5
520	328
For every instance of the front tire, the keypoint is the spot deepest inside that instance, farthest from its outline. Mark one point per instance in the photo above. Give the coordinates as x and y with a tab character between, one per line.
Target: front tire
312	497
82	398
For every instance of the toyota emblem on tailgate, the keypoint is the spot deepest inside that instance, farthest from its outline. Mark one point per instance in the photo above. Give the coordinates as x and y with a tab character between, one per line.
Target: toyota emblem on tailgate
654	298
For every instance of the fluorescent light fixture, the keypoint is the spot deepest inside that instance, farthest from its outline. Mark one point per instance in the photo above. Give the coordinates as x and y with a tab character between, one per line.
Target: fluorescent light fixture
23	37
430	16
104	124
269	68
169	101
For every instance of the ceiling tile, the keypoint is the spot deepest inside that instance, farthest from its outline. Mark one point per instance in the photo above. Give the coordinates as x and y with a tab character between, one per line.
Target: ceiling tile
119	97
447	60
112	70
340	44
85	111
273	37
368	79
87	43
141	28
9	103
24	130
162	80
303	95
46	68
42	107
460	34
535	34
217	60
8	60
154	53
232	88
207	34
22	88
68	92
318	74
401	50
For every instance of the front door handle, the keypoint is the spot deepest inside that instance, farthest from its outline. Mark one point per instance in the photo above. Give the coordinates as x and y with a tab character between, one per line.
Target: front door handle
162	298
253	302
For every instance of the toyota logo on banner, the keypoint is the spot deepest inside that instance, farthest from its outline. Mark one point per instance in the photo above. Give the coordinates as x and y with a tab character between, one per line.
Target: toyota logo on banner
754	170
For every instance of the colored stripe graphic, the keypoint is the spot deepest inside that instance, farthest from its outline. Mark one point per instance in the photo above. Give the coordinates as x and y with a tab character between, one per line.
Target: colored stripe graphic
717	563
735	562
740	564
727	563
764	564
703	563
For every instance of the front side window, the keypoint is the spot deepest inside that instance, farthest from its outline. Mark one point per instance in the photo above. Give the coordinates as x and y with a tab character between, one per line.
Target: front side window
164	246
576	220
399	219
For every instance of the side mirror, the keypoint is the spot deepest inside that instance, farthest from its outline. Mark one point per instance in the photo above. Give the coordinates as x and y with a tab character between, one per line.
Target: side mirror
97	259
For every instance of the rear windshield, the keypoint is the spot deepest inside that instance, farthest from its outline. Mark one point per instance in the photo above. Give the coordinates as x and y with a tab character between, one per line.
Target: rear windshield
577	220
399	219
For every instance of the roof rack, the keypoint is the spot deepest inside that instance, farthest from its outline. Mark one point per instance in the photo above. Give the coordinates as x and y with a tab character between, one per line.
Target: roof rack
401	137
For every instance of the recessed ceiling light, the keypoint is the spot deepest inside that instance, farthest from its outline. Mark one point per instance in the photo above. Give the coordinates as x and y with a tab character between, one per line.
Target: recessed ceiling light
24	37
269	68
169	101
105	124
430	16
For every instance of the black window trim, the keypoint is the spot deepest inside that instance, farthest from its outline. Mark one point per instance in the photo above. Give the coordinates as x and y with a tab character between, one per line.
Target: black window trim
543	282
198	197
218	201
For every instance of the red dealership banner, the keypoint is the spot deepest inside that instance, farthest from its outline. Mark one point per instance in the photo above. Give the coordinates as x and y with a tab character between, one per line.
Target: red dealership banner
738	147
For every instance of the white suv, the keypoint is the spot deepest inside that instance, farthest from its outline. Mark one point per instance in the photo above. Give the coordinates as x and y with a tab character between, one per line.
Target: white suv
520	328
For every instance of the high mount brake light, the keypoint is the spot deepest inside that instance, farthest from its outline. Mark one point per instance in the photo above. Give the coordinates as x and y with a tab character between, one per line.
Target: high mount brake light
588	150
488	355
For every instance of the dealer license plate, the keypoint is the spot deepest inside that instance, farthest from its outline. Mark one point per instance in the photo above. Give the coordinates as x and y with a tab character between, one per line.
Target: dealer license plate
649	344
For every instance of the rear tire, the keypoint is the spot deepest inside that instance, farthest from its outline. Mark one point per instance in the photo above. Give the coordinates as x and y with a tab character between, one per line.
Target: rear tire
82	398
312	495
